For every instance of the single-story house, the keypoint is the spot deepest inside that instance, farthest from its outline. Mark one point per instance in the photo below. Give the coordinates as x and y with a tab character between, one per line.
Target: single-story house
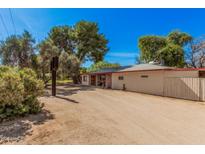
187	83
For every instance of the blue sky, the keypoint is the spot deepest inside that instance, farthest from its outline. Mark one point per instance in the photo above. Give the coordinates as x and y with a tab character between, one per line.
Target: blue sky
122	27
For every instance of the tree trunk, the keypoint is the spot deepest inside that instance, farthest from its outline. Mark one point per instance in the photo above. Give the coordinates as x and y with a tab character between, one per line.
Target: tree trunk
76	79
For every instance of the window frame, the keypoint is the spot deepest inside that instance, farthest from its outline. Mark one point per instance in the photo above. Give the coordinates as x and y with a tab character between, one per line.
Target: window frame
120	77
84	78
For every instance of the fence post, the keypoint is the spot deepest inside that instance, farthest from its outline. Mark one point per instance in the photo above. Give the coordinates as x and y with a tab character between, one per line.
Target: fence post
54	67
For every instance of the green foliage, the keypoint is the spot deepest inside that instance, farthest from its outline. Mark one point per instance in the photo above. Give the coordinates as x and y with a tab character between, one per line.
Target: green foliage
11	88
17	50
89	42
69	67
32	86
9	50
102	65
32	105
4	69
172	55
62	37
178	38
75	45
47	50
73	67
79	43
19	89
83	70
63	65
27	49
167	49
149	45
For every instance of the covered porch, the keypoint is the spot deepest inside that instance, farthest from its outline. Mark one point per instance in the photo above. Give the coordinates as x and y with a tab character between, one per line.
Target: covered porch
103	80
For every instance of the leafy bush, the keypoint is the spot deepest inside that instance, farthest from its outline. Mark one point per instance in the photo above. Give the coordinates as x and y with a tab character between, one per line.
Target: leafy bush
19	89
33	86
11	88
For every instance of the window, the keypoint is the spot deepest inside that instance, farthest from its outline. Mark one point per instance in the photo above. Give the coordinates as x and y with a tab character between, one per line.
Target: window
120	78
84	78
144	76
202	74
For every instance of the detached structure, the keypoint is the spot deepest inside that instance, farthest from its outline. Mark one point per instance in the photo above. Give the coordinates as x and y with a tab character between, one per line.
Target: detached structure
186	83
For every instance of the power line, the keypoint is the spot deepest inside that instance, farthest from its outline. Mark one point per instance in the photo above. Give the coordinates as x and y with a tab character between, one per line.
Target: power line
11	16
2	20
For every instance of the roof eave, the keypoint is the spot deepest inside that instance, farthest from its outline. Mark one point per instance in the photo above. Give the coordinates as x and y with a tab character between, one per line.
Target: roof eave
143	70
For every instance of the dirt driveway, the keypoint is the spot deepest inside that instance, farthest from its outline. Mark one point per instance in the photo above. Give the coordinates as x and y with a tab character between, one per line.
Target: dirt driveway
85	115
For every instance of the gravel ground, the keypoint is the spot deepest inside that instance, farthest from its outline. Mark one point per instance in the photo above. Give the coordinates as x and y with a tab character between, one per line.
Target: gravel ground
16	130
85	115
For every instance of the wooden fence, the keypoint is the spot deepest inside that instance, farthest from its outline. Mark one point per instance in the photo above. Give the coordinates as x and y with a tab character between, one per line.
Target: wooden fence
185	88
202	87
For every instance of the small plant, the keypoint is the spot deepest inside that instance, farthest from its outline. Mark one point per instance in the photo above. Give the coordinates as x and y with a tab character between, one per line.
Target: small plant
19	89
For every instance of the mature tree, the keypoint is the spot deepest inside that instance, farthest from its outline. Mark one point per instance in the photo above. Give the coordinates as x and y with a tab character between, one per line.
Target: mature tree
169	50
9	50
47	50
178	38
81	42
63	69
89	42
73	66
195	53
18	50
102	65
149	45
27	49
74	45
69	66
171	55
63	38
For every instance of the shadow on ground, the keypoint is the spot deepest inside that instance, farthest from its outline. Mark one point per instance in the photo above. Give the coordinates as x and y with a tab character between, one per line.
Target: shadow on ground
67	99
63	91
17	129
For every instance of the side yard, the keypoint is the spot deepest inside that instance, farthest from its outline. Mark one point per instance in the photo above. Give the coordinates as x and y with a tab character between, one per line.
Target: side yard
86	115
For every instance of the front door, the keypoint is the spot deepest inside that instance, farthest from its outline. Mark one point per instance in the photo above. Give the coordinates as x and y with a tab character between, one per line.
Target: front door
108	81
93	80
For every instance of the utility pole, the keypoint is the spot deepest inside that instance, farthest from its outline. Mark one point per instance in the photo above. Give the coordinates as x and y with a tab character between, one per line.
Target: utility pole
53	68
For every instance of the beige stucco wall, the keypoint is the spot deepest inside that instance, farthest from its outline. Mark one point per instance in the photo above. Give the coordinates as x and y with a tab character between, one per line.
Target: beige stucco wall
154	84
192	74
108	83
85	82
134	82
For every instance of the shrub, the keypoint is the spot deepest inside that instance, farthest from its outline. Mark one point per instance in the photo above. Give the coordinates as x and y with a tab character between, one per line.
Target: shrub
11	88
4	69
33	86
19	89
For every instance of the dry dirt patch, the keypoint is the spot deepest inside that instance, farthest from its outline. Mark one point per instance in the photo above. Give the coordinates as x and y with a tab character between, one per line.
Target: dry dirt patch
86	115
